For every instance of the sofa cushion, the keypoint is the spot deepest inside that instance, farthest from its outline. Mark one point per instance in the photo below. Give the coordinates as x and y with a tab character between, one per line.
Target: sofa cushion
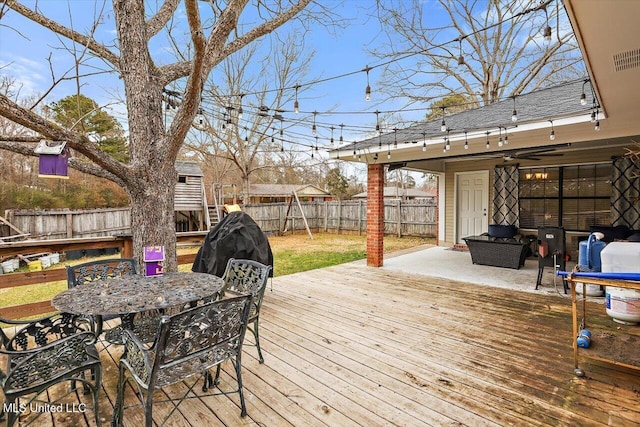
506	231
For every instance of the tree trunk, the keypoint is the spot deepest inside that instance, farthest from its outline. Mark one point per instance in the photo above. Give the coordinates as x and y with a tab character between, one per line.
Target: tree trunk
152	214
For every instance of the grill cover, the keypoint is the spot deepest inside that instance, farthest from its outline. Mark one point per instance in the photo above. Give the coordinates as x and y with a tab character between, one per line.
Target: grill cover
236	236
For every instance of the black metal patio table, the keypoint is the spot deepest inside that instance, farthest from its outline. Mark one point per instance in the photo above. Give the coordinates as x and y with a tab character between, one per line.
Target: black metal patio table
132	294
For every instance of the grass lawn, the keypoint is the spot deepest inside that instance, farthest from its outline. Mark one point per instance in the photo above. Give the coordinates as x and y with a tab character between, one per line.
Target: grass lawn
291	254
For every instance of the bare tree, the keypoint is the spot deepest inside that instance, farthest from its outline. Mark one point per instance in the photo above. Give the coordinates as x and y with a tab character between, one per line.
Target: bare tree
216	31
489	51
242	129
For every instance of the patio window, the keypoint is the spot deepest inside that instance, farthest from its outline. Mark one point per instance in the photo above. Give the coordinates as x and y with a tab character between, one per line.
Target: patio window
574	197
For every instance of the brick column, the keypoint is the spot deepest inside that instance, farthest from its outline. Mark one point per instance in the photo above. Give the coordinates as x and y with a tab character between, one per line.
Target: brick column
375	215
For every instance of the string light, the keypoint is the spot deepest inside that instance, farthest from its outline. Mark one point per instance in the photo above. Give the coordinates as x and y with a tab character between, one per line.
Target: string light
460	58
466	141
424	142
447	142
547	30
583	96
354	150
500	138
443	126
313	128
552	134
514	115
388	152
395	138
296	104
377	121
331	141
367	91
597	122
488	145
341	127
240	110
506	136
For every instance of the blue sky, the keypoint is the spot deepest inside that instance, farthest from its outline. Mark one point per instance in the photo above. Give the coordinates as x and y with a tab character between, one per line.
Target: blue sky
23	54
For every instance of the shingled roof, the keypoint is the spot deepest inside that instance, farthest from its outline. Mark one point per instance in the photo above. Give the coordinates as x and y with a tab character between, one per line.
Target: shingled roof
545	104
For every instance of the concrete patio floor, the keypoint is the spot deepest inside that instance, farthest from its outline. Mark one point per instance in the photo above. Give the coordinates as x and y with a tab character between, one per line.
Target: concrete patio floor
447	263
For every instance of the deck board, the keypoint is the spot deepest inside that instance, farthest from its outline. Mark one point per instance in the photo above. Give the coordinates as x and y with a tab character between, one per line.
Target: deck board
351	345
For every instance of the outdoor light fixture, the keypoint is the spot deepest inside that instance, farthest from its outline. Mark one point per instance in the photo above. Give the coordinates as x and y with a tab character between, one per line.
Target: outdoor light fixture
377	120
593	116
375	157
466	141
597	127
514	115
447	141
367	91
443	126
597	120
547	30
395	137
388	152
296	104
424	142
488	145
354	150
583	96
341	127
500	139
331	140
313	128
552	135
460	58
240	111
506	136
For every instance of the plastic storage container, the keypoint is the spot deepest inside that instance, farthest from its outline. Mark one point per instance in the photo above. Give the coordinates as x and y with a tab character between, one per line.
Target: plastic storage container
623	305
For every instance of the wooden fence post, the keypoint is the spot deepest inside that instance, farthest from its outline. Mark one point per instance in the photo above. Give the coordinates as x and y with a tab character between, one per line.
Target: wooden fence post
399	222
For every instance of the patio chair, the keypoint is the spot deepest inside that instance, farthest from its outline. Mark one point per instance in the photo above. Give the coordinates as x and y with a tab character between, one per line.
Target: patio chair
243	276
188	343
43	353
105	269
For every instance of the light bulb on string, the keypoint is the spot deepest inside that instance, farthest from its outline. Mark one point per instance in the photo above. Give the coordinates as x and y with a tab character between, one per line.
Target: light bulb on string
313	128
447	142
552	134
377	120
488	145
424	141
500	138
547	29
331	141
388	152
395	138
460	57
354	150
583	96
506	136
466	141
296	104
341	127
443	126
316	142
367	91
514	114
240	110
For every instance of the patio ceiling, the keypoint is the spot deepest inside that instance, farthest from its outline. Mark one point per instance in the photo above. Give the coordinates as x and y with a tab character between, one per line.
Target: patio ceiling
609	37
605	31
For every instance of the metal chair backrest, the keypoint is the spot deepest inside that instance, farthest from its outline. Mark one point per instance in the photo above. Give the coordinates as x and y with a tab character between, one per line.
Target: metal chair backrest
99	270
197	339
243	276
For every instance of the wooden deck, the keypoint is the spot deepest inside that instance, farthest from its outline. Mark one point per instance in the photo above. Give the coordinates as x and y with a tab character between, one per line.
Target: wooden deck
352	346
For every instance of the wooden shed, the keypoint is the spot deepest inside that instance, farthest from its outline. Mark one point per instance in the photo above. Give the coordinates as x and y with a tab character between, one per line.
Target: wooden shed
190	203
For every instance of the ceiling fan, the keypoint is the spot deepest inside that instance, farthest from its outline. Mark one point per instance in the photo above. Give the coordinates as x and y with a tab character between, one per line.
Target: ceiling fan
535	154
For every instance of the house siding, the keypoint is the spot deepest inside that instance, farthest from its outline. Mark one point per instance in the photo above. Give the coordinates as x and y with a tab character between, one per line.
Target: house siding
451	168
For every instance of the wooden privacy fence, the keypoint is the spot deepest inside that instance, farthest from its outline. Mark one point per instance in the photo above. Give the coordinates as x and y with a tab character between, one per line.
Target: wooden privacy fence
402	218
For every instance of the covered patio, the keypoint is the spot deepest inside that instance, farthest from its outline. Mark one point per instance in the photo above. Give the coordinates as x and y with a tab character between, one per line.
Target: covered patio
353	345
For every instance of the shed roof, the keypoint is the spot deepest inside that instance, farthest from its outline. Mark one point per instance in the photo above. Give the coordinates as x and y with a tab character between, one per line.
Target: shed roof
188	168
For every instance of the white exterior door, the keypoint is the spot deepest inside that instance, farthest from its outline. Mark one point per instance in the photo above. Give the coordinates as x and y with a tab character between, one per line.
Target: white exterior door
472	204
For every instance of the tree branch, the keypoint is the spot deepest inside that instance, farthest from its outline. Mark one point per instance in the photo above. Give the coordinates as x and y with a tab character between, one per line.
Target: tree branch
89	42
159	20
